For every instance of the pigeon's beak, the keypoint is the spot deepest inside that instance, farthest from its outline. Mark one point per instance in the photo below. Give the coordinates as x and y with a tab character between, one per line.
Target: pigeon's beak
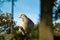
19	16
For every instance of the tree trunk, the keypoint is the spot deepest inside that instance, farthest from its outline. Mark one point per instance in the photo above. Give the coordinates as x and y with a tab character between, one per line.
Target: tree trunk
45	27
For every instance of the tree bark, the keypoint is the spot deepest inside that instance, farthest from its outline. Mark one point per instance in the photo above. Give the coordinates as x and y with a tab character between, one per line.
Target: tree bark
45	26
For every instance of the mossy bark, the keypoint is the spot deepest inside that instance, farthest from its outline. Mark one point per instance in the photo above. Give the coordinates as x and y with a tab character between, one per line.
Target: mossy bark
45	26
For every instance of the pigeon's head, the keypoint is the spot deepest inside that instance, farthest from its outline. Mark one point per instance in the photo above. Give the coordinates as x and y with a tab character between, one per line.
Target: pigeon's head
22	16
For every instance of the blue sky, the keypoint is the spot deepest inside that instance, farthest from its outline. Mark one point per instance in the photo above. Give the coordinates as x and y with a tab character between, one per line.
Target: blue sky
29	7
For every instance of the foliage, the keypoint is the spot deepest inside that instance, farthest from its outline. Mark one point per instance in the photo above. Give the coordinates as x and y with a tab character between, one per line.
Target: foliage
57	9
57	29
5	21
33	35
57	26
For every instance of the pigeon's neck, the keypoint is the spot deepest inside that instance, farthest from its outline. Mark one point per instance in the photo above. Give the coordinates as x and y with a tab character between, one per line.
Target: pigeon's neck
25	19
